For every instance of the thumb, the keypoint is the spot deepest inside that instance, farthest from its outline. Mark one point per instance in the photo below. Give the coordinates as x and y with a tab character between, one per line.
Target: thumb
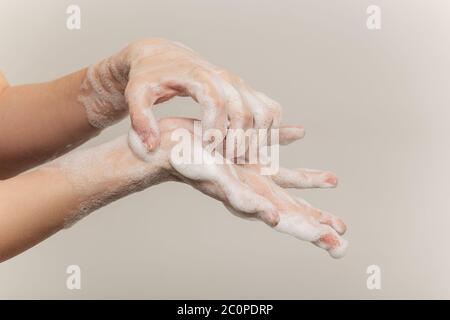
140	100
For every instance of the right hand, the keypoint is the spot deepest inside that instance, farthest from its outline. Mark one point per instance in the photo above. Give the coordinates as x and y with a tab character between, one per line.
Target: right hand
148	72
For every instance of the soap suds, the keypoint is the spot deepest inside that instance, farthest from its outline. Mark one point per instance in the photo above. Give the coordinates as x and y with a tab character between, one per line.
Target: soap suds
103	174
102	93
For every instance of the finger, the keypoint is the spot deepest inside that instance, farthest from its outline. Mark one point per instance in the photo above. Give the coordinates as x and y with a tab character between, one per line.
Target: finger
273	106
262	116
332	242
240	114
207	89
201	86
287	134
302	227
140	98
322	217
239	199
244	201
298	225
240	120
269	217
333	221
222	182
304	178
262	120
290	133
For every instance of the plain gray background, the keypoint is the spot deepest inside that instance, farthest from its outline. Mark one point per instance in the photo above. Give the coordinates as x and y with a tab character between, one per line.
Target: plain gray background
376	107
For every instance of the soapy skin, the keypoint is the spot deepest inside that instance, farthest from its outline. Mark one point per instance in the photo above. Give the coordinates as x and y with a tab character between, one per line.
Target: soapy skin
52	118
148	72
85	180
43	121
250	195
240	188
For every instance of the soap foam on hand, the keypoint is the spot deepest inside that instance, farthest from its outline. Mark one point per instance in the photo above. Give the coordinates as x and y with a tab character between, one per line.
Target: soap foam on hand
250	195
144	74
108	95
137	146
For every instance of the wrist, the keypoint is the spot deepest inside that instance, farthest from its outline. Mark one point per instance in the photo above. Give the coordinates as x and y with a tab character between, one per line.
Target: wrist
107	173
102	91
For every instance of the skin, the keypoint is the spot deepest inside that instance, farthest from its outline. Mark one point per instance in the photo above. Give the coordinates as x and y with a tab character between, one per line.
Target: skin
49	119
152	71
85	180
40	122
248	194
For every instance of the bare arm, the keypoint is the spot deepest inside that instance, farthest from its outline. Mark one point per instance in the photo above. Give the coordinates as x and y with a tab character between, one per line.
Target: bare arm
40	121
3	83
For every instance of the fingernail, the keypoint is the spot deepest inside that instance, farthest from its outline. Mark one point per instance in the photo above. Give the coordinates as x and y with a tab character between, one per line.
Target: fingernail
329	240
152	143
300	132
270	217
331	181
340	226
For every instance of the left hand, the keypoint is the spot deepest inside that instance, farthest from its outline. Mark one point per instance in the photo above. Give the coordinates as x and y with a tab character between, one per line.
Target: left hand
111	171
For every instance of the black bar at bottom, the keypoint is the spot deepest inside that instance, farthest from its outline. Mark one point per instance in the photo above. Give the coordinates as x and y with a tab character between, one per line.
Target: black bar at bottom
225	309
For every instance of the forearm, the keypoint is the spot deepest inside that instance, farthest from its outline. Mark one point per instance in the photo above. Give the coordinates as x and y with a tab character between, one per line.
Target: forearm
3	83
41	121
39	203
33	206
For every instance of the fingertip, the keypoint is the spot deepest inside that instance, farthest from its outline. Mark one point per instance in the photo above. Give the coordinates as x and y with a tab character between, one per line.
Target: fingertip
340	226
339	251
331	180
137	145
153	141
270	217
291	133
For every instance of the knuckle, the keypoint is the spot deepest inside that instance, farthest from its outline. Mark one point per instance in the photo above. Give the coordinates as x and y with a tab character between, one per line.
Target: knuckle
224	73
265	120
198	72
243	119
276	108
247	117
219	103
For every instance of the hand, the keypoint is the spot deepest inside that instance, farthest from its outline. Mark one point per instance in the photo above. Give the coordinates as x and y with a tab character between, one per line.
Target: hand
114	171
149	72
248	194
